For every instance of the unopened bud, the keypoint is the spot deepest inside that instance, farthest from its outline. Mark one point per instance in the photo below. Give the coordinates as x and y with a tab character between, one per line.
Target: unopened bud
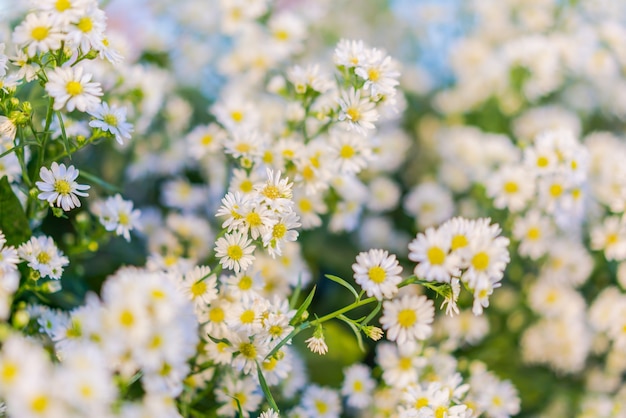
373	332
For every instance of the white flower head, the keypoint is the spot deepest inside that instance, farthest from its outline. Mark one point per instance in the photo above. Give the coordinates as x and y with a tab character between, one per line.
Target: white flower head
378	273
111	119
59	186
408	318
73	89
357	112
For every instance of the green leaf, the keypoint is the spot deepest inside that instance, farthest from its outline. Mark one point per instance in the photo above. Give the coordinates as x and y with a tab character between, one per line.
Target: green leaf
285	340
344	284
265	388
13	220
355	330
66	141
372	314
304	306
241	415
296	293
97	180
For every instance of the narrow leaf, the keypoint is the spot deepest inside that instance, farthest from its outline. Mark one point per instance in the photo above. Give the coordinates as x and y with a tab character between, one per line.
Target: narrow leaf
372	314
13	220
344	284
97	180
304	306
355	330
265	388
296	293
66	141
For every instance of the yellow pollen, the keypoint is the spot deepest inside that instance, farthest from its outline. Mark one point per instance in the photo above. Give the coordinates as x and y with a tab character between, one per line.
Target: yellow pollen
281	35
62	187
510	187
551	297
496	401
85	24
243	147
421	402
253	219
8	373
198	289
247	317
248	350
234	252
275	330
556	190
206	139
239	396
576	193
480	261
216	314
353	114
373	74
441	412
86	391
533	233
156	342
246	186
406	318
110	119
43	257
542	162
279	231
268	157
127	318
305	205
289	153
354	61
221	347
270	364
245	283
62	5
346	152
377	274
405	363
458	241
39	33
574	165
357	386
271	192
321	407
308	173
236	115
73	88
435	256
170	260
39	404
612	239
123	219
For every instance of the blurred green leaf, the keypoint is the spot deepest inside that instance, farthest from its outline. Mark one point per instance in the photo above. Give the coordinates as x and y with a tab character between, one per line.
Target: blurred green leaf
344	284
13	220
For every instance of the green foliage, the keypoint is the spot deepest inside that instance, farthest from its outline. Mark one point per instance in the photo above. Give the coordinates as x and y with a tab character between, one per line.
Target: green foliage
13	220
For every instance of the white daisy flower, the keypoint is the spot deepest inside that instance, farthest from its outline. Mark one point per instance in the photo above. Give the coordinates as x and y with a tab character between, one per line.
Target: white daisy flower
350	53
275	192
431	250
200	285
72	89
358	386
235	251
350	153
280	232
8	256
113	120
43	256
408	318
38	33
378	273
117	214
358	113
378	72
321	402
88	31
59	186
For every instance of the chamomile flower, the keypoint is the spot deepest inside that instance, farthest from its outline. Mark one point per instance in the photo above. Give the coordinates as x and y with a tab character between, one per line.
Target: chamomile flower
321	402
235	251
205	139
200	285
236	392
378	72
611	238
378	273
408	318
350	53
275	192
73	89
357	112
358	386
511	188
535	232
111	119
270	413
59	186
431	250
250	352
117	214
350	153
43	256
8	256
88	31
284	230
38	33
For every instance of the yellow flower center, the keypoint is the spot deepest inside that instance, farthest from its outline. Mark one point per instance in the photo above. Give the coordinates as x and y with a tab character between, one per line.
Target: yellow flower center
346	152
281	35
510	187
236	115
254	220
435	256
377	274
216	314
308	173
248	350
271	192
480	261
85	24
441	412
421	402
458	241
321	407
305	205
373	74
127	318
9	372
62	5
406	318
86	391
123	219
198	289
62	187
235	252
73	88
43	257
279	231
245	283
243	147
612	239
110	119
275	330
156	342
206	139
533	233
405	363
39	404
542	162
247	317
357	386
556	190
353	113
39	33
